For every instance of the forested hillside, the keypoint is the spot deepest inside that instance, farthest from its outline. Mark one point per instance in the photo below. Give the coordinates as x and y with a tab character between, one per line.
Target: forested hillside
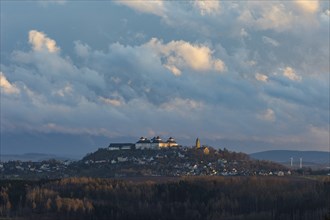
190	198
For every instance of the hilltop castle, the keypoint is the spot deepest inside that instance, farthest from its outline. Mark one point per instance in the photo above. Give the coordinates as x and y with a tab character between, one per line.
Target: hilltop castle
155	143
144	143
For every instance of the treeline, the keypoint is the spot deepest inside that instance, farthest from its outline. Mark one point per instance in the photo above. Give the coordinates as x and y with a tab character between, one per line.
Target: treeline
199	198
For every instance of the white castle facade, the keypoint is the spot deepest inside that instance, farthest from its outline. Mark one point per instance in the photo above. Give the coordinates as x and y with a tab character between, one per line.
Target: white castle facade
155	143
144	143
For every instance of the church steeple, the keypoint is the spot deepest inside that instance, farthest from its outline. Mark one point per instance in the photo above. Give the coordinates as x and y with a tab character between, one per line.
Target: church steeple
198	144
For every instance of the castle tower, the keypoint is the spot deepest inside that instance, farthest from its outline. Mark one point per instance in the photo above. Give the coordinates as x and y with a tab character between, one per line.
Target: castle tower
198	144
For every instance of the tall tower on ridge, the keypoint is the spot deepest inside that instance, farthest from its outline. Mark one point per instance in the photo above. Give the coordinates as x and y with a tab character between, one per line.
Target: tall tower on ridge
198	144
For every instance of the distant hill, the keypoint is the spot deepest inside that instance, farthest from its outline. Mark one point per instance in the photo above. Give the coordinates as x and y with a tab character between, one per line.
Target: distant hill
283	156
35	157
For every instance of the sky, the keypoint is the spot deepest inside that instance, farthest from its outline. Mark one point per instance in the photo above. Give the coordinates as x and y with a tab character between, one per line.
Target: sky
248	76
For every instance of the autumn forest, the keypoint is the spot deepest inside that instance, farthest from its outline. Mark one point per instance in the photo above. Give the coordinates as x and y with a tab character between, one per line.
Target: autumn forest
193	198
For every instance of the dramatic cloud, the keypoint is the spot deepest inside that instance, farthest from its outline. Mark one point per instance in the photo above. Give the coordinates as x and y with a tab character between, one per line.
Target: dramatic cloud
291	74
261	77
308	6
276	18
180	54
117	74
280	15
113	102
269	16
207	7
6	86
149	6
40	41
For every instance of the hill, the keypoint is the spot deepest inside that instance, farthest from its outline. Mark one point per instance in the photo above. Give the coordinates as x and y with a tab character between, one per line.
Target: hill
168	162
171	162
35	157
283	156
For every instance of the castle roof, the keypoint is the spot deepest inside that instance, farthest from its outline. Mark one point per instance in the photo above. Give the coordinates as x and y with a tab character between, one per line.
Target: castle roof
144	140
171	140
157	140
